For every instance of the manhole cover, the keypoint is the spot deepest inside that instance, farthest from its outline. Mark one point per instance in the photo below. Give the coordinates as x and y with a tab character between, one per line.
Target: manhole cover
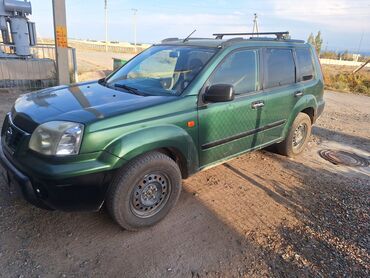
344	158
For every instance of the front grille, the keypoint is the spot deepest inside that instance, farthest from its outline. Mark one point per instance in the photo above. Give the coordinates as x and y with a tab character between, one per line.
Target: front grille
23	121
13	135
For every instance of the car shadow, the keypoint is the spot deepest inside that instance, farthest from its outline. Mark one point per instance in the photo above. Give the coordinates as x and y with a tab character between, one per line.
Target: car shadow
191	242
274	194
230	221
340	137
332	212
228	231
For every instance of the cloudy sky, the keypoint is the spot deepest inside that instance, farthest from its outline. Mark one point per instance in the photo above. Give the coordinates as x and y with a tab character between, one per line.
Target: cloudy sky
342	22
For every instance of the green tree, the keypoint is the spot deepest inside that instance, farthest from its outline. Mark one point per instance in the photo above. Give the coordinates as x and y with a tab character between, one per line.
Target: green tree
311	39
316	41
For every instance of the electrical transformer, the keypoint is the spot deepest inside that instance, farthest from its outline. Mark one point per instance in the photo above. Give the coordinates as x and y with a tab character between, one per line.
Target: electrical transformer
16	30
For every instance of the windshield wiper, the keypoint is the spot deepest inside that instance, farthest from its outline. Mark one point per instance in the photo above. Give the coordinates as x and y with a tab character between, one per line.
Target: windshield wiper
129	89
102	81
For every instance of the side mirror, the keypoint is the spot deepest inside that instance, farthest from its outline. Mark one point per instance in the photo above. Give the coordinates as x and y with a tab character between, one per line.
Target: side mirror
219	93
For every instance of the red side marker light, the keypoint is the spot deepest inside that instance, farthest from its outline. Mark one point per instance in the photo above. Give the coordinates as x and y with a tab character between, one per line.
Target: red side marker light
191	124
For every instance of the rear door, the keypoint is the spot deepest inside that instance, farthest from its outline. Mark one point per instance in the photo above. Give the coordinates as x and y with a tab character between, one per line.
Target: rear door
306	74
229	128
280	90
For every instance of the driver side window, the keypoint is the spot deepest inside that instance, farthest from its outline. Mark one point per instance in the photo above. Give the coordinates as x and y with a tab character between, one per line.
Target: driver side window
238	69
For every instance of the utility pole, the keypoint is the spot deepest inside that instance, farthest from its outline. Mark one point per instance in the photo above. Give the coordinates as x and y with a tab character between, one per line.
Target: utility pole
135	27
61	41
106	24
255	25
360	44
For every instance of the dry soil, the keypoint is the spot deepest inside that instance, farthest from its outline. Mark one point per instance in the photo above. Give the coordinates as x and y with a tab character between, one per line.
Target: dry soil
259	215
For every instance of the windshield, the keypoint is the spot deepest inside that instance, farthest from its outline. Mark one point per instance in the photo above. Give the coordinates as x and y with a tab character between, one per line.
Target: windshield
161	70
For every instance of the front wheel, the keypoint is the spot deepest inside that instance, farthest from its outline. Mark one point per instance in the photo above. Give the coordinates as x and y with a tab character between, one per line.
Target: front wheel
297	138
144	191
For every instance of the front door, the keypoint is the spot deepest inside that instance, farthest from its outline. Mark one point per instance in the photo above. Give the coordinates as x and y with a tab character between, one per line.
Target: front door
229	128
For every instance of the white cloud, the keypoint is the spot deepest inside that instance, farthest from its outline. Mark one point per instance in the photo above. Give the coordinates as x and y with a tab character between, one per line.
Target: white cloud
197	19
181	24
334	14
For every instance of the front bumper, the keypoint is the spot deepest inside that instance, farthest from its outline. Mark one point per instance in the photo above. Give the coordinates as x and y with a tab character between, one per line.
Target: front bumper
84	192
22	182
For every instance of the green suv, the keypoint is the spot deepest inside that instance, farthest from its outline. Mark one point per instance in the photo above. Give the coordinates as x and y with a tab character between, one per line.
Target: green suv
177	108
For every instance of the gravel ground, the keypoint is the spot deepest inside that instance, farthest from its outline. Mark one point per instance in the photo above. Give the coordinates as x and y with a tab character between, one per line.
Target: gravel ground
260	215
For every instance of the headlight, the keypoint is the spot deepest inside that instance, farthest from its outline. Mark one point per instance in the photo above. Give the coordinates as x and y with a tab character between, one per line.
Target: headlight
57	138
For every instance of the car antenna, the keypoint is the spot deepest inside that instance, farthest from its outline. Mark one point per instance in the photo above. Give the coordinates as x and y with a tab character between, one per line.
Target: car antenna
188	37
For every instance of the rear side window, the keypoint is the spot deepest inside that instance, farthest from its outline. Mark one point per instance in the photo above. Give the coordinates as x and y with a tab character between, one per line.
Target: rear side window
305	66
279	68
238	69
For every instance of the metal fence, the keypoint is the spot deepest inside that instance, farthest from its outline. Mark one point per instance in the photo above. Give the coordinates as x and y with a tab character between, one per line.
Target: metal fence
33	73
111	47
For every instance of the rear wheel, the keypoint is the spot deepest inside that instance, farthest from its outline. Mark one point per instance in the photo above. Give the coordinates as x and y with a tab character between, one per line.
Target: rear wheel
298	136
144	191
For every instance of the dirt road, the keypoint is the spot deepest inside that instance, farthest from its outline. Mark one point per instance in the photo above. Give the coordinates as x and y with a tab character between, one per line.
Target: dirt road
93	65
259	215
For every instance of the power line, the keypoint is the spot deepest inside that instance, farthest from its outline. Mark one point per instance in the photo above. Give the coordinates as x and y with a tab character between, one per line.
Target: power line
240	14
238	8
213	10
360	44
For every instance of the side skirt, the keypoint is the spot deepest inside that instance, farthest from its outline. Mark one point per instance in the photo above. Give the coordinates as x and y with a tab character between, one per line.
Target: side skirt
226	159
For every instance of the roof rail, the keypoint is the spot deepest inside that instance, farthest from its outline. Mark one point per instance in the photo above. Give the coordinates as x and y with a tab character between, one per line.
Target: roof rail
279	35
271	39
230	41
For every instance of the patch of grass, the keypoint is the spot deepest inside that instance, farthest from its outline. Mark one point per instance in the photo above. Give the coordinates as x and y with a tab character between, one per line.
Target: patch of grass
342	79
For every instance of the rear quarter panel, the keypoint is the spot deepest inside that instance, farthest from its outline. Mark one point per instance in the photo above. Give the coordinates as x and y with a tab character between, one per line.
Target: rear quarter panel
313	94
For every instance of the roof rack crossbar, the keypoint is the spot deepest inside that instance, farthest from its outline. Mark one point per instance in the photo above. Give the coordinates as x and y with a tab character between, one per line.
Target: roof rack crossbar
279	35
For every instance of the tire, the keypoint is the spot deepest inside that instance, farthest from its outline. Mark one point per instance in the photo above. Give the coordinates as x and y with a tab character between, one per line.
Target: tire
291	146
144	191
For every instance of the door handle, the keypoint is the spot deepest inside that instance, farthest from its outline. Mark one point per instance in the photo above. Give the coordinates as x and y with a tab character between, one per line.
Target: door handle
298	94
257	104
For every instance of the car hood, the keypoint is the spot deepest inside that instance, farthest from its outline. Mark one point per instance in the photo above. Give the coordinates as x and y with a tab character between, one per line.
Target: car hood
84	103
